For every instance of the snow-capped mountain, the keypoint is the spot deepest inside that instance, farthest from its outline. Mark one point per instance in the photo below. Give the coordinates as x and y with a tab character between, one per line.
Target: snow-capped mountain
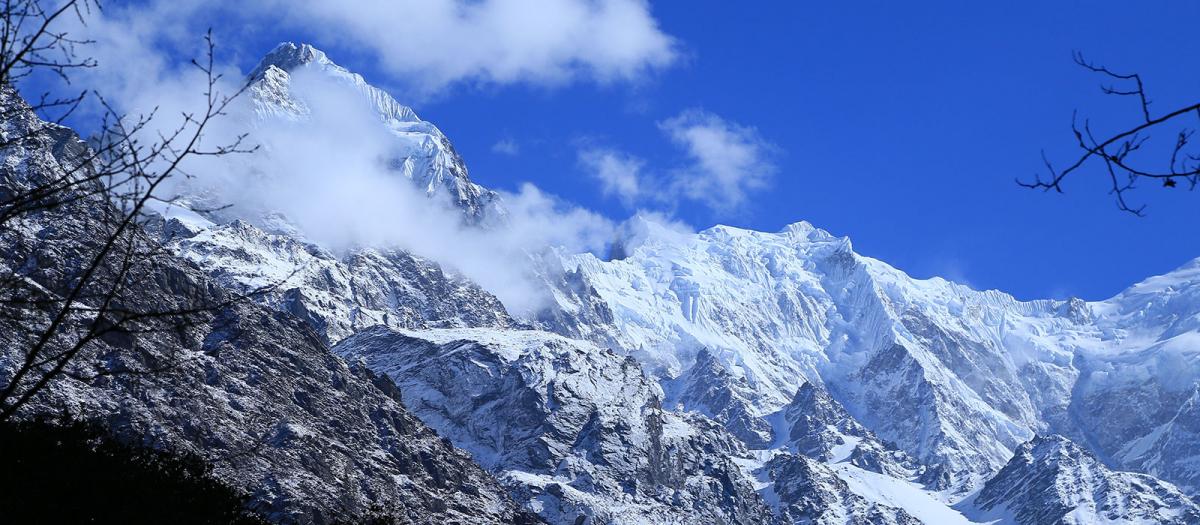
252	391
727	375
781	310
339	292
957	378
422	152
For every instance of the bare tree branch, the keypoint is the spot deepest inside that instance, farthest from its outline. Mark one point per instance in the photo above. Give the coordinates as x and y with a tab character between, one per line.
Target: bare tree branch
1116	151
114	176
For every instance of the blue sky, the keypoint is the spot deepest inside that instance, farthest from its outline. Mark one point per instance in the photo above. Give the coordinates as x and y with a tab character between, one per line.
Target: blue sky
900	126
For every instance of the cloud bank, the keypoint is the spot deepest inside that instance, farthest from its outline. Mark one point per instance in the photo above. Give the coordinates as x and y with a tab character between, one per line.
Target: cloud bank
425	46
333	174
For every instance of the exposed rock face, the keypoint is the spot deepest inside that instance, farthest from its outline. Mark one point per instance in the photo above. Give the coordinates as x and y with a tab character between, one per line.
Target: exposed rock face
809	492
253	391
710	388
819	428
577	432
1051	480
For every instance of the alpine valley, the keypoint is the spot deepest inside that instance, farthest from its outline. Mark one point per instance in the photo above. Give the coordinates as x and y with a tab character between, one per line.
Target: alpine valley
721	377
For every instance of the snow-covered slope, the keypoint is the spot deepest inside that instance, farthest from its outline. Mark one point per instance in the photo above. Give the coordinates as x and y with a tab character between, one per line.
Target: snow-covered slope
955	377
336	294
1051	481
422	152
1137	401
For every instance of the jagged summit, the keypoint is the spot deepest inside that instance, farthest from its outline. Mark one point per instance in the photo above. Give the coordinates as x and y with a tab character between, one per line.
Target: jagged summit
271	80
807	231
802	231
1052	480
288	56
423	153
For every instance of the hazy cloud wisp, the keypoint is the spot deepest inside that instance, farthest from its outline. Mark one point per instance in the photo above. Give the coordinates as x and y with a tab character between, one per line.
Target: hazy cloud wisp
728	161
619	174
724	163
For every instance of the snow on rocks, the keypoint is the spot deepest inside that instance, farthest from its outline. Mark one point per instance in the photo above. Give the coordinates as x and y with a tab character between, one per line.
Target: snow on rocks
954	377
1051	480
576	431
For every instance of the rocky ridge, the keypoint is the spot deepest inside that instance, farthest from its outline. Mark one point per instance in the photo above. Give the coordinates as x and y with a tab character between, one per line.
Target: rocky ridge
577	432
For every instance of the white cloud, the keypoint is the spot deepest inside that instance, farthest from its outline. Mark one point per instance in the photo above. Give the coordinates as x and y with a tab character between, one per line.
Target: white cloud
437	43
332	176
728	161
143	58
619	173
507	146
427	46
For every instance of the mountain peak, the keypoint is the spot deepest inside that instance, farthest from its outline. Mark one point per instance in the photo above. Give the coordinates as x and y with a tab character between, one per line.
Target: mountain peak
288	56
1051	477
1048	446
